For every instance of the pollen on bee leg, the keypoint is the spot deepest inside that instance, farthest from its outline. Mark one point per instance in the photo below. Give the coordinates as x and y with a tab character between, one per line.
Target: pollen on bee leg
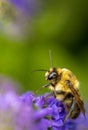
51	88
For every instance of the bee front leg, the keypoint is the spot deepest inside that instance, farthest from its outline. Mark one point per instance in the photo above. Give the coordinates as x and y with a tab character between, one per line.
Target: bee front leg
46	85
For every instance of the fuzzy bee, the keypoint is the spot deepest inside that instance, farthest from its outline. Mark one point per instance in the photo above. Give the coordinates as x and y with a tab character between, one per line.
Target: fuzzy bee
65	87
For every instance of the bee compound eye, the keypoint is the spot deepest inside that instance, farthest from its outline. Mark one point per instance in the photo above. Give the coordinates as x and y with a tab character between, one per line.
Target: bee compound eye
53	75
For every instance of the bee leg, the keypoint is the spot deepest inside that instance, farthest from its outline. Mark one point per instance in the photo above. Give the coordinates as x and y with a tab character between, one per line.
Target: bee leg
74	111
70	111
49	95
47	85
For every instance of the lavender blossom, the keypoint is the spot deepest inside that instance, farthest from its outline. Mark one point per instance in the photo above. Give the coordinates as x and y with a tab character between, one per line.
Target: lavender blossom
55	111
31	112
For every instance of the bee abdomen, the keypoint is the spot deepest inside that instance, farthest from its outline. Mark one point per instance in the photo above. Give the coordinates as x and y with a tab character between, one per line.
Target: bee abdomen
68	99
59	94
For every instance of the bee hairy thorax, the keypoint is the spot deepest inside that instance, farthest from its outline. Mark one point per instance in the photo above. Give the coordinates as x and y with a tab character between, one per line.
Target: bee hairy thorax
64	78
62	92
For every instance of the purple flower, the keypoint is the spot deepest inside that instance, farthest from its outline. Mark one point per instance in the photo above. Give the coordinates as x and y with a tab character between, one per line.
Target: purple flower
55	111
27	98
14	114
27	6
49	106
31	112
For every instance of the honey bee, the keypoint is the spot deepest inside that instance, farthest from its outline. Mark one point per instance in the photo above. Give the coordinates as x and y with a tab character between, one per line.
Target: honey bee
65	87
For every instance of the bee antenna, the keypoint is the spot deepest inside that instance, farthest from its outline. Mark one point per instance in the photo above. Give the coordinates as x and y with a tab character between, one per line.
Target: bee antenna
39	70
50	55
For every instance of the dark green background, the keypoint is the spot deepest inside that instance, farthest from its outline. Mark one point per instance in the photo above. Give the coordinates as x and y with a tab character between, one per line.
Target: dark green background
61	26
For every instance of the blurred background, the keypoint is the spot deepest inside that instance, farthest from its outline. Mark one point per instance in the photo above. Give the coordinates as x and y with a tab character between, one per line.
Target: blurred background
30	28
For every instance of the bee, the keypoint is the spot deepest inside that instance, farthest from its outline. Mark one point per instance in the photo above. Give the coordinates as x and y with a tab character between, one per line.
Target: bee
65	87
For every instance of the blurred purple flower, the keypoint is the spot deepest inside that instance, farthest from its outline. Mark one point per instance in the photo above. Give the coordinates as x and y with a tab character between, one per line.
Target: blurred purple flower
27	6
27	98
16	16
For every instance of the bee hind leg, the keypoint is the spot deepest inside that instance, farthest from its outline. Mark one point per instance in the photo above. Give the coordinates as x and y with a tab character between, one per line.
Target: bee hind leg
74	111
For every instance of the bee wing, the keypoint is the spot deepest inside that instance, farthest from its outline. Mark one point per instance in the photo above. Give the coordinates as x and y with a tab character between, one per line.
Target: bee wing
77	98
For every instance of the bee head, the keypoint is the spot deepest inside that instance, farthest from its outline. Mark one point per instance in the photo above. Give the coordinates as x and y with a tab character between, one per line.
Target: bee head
51	74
